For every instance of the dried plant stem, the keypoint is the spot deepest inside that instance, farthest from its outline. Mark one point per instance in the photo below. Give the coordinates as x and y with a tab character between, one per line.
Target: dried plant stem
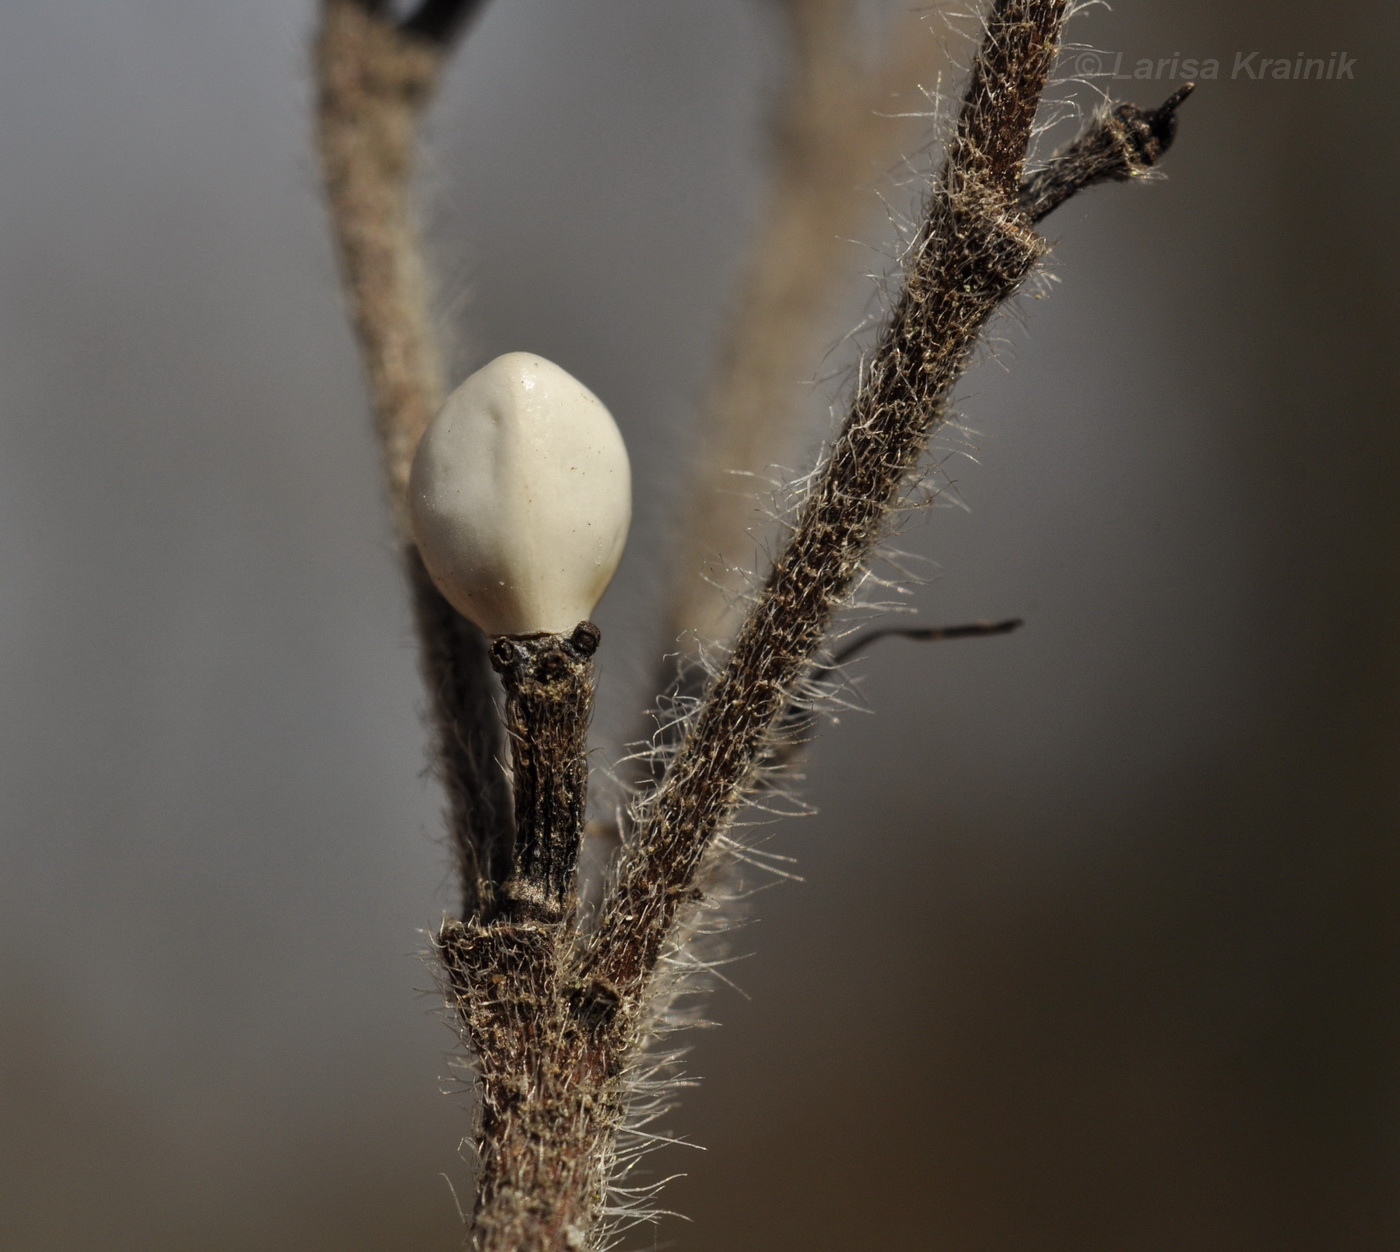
551	1094
974	251
556	1014
550	1101
374	82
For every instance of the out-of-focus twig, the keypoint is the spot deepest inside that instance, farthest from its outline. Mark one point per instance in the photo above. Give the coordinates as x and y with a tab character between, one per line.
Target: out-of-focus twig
374	78
833	135
373	84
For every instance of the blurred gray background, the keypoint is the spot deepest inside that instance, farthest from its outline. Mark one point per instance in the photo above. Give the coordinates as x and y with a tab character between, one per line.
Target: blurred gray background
1098	943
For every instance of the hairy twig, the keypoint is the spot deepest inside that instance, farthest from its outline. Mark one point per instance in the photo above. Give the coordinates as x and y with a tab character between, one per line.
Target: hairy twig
973	253
1126	142
440	21
373	84
551	1093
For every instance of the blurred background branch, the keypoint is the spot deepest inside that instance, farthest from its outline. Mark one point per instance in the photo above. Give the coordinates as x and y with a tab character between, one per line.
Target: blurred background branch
836	131
375	77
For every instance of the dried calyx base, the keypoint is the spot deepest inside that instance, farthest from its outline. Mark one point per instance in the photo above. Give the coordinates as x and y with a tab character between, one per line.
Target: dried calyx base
549	703
558	1015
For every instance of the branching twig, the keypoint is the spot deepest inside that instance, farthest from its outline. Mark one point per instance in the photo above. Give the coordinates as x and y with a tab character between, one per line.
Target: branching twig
1122	144
557	1016
555	1026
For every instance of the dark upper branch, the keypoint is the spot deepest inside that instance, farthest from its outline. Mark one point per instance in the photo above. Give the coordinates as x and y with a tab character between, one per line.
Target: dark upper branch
1008	77
437	21
1119	145
441	21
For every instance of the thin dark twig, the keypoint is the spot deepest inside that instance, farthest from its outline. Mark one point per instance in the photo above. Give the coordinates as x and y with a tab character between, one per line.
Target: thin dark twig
793	728
923	634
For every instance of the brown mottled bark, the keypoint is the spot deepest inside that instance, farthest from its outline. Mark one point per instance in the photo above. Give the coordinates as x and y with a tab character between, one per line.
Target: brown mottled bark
551	1086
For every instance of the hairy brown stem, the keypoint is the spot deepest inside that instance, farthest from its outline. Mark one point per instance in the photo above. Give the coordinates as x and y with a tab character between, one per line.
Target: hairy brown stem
373	84
974	251
551	1092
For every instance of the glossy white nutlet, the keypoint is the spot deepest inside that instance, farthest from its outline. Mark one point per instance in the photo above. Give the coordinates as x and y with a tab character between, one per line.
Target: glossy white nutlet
520	497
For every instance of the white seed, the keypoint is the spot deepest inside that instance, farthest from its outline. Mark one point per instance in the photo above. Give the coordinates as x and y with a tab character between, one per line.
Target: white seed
520	497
